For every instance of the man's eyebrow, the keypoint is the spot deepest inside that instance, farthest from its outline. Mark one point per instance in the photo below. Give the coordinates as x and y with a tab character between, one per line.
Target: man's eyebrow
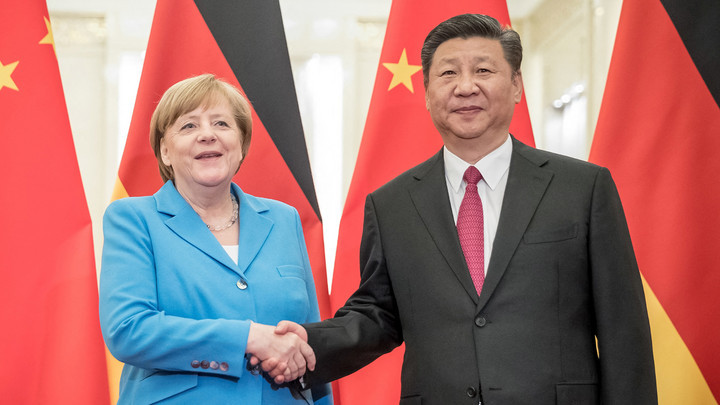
453	59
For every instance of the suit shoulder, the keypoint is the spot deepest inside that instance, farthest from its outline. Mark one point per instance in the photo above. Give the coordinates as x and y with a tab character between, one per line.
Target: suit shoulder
558	162
130	204
129	212
410	176
276	207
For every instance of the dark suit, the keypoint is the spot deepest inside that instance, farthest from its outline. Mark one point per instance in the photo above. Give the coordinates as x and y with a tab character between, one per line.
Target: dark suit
562	272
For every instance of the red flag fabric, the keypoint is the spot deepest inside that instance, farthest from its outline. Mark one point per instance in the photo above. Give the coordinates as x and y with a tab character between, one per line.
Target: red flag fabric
242	42
398	135
658	133
51	349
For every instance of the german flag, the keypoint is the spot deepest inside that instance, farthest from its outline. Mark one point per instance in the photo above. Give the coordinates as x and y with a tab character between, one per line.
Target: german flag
242	42
659	133
397	121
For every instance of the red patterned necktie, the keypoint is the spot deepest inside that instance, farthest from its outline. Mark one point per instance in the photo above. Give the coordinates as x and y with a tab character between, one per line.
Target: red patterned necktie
470	228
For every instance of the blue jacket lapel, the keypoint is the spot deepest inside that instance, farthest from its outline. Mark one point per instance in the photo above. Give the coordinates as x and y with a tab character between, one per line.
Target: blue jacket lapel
187	224
255	226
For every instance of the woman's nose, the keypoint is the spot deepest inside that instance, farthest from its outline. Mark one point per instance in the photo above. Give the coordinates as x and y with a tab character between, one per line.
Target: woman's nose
207	134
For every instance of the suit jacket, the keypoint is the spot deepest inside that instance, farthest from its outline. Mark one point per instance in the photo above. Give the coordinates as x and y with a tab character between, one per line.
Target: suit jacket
177	310
562	272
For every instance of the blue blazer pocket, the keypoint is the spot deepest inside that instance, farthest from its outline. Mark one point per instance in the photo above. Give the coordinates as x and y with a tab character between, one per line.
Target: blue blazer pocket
293	286
552	235
290	270
162	385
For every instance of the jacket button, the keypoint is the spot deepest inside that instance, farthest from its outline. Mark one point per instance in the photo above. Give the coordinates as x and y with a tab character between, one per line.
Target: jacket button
205	364
195	364
214	365
480	321
471	392
241	284
224	366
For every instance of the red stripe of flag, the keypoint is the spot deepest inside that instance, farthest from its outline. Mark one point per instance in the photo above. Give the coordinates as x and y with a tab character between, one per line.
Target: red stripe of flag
51	349
659	132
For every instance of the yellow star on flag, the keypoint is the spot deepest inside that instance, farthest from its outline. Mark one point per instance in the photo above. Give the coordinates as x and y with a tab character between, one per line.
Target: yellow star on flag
402	72
48	39
5	73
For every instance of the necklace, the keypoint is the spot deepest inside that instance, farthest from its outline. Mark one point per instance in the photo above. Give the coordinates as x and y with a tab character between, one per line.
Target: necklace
232	219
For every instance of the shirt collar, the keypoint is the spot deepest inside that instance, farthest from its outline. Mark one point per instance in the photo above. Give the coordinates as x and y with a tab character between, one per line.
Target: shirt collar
492	167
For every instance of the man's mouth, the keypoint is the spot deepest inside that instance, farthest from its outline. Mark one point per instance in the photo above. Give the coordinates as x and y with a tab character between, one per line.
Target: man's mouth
467	109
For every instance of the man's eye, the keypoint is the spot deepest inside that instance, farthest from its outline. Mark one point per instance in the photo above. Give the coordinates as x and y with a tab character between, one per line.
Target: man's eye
447	73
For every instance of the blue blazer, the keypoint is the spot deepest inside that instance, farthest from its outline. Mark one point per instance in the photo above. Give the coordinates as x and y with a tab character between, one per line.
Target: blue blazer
176	309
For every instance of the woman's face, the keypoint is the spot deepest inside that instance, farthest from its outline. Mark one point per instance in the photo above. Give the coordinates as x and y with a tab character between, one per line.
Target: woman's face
203	147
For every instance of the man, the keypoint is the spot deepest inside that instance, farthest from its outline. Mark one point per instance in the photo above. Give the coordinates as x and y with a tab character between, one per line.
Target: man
509	314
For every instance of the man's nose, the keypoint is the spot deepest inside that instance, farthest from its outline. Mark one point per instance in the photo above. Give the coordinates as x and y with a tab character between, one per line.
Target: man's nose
466	85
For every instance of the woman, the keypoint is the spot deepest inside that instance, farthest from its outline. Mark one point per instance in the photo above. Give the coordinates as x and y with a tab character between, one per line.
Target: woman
193	276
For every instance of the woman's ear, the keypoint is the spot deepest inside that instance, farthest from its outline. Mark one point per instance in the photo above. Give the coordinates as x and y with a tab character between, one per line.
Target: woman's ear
164	153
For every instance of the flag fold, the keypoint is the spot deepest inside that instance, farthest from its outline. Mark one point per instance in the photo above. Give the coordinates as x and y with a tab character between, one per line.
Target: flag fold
658	134
51	349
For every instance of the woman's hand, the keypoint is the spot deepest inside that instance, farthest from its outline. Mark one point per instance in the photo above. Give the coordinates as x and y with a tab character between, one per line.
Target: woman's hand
284	356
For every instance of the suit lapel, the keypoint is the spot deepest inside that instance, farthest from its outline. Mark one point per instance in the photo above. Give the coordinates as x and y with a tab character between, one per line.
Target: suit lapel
430	198
527	182
188	225
254	228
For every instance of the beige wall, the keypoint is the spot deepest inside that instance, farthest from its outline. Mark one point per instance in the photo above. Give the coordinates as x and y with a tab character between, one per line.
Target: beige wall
567	42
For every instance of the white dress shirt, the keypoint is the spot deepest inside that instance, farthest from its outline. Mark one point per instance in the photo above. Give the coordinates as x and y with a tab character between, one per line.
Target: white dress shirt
494	170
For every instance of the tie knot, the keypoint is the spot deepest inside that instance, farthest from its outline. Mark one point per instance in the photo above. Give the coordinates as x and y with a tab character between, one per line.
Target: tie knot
472	175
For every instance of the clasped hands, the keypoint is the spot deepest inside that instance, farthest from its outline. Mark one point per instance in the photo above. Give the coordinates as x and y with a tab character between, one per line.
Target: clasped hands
281	351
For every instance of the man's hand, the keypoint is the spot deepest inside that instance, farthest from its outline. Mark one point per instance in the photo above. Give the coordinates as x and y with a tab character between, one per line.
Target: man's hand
284	327
284	356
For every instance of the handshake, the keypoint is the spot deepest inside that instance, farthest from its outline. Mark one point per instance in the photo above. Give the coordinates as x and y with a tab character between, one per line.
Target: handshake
282	351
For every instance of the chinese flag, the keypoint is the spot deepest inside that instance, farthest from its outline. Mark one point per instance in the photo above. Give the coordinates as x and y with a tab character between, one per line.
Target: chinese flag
659	133
398	135
242	42
51	349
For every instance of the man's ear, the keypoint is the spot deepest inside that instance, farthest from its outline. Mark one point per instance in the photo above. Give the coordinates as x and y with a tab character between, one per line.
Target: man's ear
517	82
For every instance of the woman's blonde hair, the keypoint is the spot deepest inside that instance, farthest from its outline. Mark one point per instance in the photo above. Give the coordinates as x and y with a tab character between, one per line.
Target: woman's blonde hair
189	94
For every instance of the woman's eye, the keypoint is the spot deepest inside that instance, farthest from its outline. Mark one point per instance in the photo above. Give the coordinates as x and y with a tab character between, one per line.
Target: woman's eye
222	123
189	125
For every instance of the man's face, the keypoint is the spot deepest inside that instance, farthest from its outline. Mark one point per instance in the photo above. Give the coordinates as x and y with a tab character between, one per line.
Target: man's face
471	92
